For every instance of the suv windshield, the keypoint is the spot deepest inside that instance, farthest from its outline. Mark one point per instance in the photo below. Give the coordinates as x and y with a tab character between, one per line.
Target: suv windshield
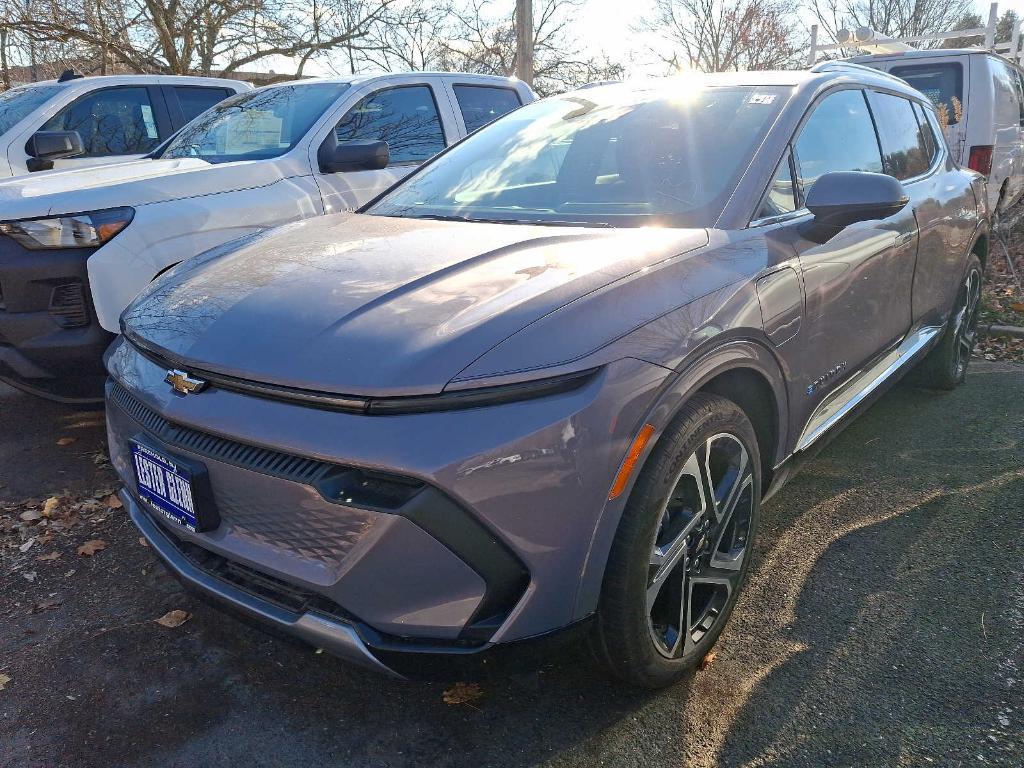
16	103
602	157
257	125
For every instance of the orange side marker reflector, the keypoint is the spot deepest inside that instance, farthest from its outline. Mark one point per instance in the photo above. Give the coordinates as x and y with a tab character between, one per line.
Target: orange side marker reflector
626	470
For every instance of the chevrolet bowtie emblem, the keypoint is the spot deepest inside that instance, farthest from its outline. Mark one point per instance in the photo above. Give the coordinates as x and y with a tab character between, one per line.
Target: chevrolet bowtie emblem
184	384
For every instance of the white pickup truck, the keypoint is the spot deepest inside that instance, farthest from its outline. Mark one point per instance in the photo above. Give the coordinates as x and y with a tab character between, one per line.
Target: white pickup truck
77	246
116	117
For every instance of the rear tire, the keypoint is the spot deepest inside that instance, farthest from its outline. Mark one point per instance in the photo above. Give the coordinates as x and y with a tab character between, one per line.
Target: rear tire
682	550
945	367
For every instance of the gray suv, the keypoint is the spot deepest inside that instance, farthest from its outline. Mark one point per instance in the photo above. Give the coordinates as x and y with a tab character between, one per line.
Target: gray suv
548	380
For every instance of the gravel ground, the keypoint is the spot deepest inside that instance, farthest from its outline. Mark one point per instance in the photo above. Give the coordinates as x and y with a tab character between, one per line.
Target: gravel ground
883	626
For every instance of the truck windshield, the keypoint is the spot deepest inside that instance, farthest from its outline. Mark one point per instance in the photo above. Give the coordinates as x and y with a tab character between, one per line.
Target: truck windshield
17	103
601	157
257	125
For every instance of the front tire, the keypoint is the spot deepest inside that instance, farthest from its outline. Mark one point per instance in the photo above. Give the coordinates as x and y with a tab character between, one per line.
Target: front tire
945	367
682	550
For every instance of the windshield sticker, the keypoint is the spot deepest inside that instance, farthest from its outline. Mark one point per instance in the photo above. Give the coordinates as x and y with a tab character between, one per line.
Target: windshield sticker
762	98
147	118
253	131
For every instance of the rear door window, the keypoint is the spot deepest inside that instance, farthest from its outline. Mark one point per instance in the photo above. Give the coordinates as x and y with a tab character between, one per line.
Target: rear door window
928	138
943	83
904	153
480	104
111	121
405	117
195	100
838	136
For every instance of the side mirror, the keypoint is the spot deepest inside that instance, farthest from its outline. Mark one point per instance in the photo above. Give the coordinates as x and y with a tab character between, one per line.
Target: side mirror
46	146
353	156
838	200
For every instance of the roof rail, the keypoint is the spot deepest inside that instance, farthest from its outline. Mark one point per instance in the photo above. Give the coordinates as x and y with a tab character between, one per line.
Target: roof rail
838	65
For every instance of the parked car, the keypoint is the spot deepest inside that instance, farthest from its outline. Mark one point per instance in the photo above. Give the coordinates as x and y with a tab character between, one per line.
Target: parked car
982	98
546	382
77	246
118	117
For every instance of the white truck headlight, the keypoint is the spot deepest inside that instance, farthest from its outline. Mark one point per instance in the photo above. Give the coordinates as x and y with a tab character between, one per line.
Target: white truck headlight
80	230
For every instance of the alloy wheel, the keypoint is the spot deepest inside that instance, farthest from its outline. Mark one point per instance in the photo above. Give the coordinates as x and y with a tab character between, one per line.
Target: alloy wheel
965	326
700	546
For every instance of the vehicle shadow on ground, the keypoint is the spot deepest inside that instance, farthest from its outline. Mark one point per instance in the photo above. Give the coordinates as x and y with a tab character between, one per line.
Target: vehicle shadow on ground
875	629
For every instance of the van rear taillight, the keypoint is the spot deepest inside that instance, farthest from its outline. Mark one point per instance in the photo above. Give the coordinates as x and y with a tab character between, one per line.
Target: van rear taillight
981	159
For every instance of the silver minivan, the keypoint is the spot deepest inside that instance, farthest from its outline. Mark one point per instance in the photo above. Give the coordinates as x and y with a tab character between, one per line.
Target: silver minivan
982	97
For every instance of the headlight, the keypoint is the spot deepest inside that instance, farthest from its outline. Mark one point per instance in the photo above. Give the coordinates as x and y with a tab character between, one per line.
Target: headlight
81	230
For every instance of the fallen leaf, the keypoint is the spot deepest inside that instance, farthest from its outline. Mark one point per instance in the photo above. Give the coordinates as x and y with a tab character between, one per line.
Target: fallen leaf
4	680
50	506
707	661
462	693
29	515
66	441
143	541
49	556
29	575
46	605
27	545
113	502
91	547
173	619
1017	307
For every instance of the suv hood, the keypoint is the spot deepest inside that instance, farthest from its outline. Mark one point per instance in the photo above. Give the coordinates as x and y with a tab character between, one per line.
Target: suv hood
374	306
134	183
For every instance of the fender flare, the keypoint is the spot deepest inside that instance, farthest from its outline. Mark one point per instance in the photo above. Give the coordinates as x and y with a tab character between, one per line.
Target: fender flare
702	366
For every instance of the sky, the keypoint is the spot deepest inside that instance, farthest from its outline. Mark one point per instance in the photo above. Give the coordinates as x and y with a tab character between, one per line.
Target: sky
605	27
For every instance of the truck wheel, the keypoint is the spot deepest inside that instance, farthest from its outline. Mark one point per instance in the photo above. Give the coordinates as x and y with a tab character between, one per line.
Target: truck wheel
945	367
681	553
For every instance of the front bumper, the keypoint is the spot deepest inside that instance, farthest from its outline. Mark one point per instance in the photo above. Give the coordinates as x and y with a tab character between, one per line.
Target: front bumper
322	631
492	546
50	341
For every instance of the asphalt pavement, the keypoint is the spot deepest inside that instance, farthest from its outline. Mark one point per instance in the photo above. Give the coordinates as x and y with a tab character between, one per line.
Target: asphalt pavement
883	625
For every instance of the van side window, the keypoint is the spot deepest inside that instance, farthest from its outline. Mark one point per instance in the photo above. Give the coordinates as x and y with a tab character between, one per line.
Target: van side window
780	197
928	140
405	117
903	147
111	121
838	136
480	104
942	83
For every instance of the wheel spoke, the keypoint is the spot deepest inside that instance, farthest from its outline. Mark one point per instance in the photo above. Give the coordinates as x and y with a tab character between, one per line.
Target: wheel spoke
700	546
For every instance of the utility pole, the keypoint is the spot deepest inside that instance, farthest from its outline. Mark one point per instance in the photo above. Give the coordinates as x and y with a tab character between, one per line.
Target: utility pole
524	41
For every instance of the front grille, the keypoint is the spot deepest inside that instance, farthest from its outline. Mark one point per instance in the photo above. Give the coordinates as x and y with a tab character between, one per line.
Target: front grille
67	306
348	485
265	587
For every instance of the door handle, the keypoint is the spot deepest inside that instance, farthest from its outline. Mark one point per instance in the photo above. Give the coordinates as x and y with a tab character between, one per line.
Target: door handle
904	238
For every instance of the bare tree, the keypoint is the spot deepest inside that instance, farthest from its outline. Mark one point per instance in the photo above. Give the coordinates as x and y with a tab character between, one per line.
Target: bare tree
723	35
201	36
481	38
408	38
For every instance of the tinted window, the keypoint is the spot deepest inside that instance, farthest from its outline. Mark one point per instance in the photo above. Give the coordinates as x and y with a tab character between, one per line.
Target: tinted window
780	197
17	103
903	150
838	136
942	83
406	118
113	121
928	138
194	101
481	104
607	156
255	125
